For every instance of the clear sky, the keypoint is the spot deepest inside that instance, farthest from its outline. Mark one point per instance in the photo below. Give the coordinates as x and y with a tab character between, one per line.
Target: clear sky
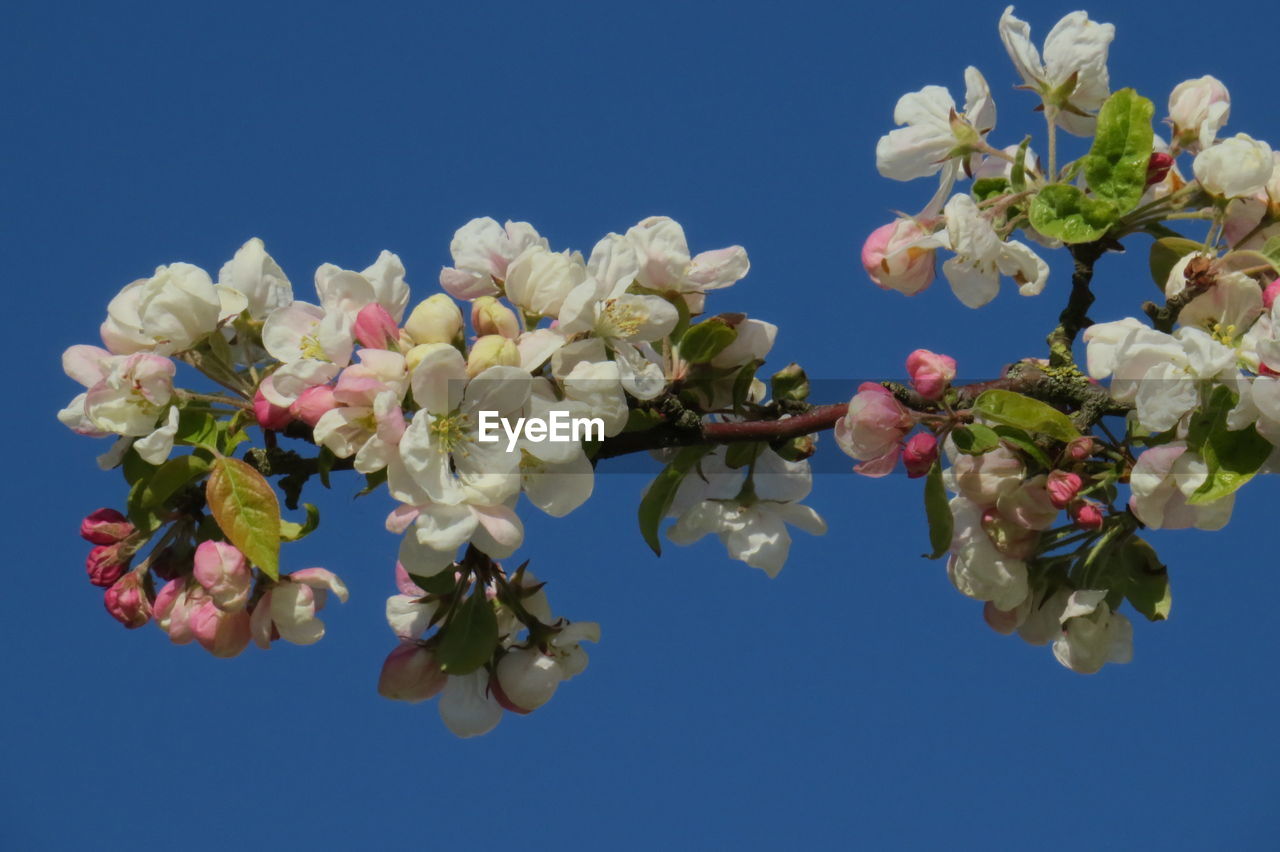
857	701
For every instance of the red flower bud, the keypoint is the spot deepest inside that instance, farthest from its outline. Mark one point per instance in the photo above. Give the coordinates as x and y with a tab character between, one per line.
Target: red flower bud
1158	167
127	601
105	564
1087	515
270	415
919	454
1063	486
105	526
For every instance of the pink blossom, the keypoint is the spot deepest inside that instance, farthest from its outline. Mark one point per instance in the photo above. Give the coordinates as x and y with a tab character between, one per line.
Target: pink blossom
1269	294
410	673
1029	504
919	454
873	429
900	256
224	573
221	633
105	526
930	372
268	414
375	328
313	403
127	601
174	607
1081	448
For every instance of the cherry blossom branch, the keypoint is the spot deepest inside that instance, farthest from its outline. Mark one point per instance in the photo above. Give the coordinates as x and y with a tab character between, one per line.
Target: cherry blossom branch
1074	317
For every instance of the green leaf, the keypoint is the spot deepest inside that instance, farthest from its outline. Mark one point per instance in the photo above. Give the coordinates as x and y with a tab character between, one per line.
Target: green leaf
642	420
1014	409
292	531
742	384
658	496
437	584
1116	165
975	439
742	454
1165	254
706	340
372	482
1271	250
1232	457
985	189
682	313
247	512
1018	173
134	468
468	639
1148	580
197	428
1063	211
790	383
142	517
170	477
938	510
1021	440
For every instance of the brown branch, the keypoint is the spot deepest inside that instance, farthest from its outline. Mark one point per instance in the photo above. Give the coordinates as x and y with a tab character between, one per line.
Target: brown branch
816	419
1074	317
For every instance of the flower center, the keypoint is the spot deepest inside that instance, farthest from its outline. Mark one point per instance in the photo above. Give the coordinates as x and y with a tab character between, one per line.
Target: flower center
621	319
310	347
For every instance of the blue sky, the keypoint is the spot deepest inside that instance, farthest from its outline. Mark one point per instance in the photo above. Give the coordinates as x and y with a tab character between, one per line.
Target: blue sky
855	701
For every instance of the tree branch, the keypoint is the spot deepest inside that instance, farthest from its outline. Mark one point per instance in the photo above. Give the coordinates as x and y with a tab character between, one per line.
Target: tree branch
1074	317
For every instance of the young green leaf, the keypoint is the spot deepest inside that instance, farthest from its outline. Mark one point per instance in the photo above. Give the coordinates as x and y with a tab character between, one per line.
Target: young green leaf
468	639
170	477
247	511
790	383
292	531
1148	581
1013	409
1116	165
658	496
1232	457
1165	254
1063	211
706	340
975	439
987	188
938	510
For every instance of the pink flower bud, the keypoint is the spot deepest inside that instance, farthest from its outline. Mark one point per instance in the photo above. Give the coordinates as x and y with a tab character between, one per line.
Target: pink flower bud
221	633
873	428
1087	515
899	256
105	526
410	673
270	415
919	454
127	601
1081	448
1269	294
173	609
930	372
526	678
375	328
105	564
1001	621
224	573
1158	167
313	403
1063	486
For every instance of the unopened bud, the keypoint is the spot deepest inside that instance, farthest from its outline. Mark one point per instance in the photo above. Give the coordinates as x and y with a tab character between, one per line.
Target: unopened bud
313	403
436	319
489	316
224	573
268	414
106	563
1269	294
526	679
1081	448
375	328
1001	621
796	449
127	601
919	454
1087	515
221	633
930	372
410	673
1063	486
105	526
492	350
899	256
1158	167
